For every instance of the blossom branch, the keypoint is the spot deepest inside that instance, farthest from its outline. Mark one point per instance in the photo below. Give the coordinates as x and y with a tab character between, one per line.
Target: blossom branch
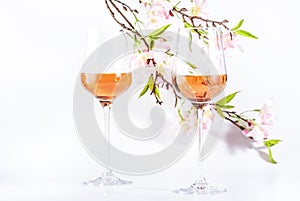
233	114
129	27
230	116
167	85
193	18
155	93
235	123
156	82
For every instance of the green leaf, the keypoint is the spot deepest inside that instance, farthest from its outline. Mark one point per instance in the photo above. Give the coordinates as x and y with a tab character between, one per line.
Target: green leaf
225	106
271	156
227	99
149	85
187	25
159	31
190	40
144	90
202	31
205	41
271	143
236	27
180	115
193	66
154	37
151	44
151	82
219	111
245	33
156	91
177	4
169	53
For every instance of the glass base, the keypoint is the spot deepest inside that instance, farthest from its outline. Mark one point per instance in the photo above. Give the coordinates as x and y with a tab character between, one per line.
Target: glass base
200	187
107	179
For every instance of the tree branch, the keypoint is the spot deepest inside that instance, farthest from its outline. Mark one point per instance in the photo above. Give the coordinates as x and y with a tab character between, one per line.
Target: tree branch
192	19
129	26
168	85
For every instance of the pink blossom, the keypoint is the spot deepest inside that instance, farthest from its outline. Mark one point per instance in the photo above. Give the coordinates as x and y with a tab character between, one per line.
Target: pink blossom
255	133
158	11
199	8
260	130
163	43
207	117
229	42
267	118
139	60
190	118
149	59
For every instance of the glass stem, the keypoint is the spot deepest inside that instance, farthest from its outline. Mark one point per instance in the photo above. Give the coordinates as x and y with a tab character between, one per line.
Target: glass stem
106	111
201	177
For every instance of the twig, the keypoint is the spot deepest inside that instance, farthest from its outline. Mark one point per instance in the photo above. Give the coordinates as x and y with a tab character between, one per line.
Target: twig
167	85
129	26
235	123
192	19
154	92
233	114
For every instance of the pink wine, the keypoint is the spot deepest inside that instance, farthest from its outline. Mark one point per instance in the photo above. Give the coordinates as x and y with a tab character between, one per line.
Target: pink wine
106	87
200	88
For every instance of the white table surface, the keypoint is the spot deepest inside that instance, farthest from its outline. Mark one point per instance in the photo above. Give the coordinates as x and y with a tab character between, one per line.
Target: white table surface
242	185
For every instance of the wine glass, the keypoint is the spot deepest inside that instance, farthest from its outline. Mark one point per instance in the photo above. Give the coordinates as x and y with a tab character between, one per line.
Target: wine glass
200	82
106	87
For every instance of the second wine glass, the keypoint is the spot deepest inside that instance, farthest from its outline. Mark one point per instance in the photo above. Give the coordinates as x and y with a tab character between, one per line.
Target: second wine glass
200	85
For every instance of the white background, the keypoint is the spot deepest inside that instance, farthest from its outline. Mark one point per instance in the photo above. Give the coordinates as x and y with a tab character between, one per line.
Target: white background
41	158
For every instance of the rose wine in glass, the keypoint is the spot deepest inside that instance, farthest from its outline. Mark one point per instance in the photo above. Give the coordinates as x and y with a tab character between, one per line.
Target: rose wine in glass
106	87
200	86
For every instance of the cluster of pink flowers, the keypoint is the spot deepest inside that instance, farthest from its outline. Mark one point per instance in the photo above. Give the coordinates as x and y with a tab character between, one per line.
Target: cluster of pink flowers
150	59
260	130
199	8
139	60
158	11
229	43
